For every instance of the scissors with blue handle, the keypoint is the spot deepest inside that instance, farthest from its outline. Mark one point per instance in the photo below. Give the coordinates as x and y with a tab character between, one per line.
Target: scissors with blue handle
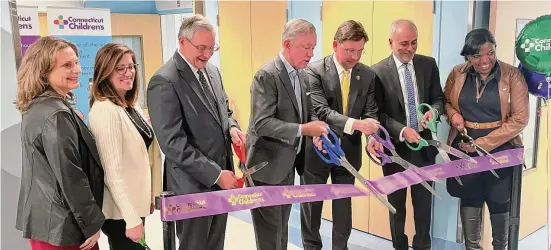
443	149
399	160
336	157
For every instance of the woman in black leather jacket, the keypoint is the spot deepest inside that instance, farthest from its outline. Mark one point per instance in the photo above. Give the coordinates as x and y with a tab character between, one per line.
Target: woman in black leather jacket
62	181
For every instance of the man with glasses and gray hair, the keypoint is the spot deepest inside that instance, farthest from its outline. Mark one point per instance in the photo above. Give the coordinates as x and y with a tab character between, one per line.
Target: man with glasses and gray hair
194	126
343	95
281	118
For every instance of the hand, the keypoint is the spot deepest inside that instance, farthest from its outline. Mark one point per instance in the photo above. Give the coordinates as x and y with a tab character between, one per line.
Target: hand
237	137
314	128
90	242
227	180
426	117
458	122
318	143
366	126
467	147
373	145
136	233
411	135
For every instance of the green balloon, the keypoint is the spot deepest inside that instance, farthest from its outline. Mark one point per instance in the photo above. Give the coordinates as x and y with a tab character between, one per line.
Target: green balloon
533	45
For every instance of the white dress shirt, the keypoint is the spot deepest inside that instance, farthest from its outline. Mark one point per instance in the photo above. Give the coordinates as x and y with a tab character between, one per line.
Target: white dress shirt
401	74
340	70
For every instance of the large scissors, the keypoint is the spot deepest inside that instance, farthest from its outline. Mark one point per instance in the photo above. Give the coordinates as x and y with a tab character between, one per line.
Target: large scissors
336	157
443	149
481	151
247	174
399	160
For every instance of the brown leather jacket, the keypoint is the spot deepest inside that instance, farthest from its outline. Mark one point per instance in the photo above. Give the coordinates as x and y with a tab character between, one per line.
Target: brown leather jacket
514	105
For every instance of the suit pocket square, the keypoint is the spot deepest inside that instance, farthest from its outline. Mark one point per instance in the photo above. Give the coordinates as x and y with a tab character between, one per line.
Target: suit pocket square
307	93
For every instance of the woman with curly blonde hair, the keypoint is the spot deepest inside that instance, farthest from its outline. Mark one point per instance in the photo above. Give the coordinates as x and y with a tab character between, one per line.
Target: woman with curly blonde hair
62	181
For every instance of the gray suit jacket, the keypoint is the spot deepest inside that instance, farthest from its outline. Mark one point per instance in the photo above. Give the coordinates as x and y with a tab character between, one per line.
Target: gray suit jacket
328	104
390	100
274	122
194	138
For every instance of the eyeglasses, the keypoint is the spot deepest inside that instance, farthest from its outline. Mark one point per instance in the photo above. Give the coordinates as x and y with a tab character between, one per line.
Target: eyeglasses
121	70
203	48
352	52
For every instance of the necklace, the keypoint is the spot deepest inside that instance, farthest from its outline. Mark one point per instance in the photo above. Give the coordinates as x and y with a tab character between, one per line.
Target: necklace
479	91
147	130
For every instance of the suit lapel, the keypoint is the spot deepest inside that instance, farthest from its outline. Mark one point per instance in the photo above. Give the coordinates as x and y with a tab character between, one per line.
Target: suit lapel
419	80
188	77
217	91
395	80
334	82
87	137
284	77
355	87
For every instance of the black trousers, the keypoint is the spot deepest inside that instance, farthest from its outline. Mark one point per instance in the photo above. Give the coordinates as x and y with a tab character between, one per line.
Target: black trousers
115	230
208	232
271	224
421	200
310	213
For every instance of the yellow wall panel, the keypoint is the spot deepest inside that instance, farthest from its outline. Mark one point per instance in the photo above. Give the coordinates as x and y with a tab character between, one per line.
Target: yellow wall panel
334	13
235	56
384	13
267	21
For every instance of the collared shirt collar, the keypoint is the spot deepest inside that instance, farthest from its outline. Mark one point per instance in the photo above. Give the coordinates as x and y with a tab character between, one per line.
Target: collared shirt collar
288	66
193	69
400	63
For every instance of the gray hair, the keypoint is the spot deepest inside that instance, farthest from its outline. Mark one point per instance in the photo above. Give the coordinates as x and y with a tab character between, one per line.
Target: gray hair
297	26
399	23
192	24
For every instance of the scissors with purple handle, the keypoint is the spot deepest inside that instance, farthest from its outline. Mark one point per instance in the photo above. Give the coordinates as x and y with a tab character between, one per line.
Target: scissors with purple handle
336	157
481	151
399	160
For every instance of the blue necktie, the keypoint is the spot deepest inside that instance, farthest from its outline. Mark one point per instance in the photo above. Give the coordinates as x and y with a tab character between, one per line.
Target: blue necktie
413	123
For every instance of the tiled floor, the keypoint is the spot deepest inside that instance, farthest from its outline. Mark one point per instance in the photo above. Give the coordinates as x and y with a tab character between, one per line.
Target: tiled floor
240	235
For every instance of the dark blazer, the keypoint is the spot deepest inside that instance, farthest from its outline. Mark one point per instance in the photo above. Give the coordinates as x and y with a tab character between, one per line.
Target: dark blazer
62	180
195	138
328	104
390	100
274	122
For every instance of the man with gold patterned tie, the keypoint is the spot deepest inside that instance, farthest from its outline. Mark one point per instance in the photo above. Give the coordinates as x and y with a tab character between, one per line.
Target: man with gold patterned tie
343	96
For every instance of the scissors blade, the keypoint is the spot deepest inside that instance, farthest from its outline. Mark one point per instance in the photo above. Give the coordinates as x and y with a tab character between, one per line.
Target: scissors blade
255	168
249	179
446	157
344	162
406	165
445	149
491	157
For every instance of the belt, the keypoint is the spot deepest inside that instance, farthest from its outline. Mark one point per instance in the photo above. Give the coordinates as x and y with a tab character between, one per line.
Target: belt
482	125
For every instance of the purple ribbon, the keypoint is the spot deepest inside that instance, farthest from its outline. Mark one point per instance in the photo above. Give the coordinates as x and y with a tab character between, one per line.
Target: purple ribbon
204	204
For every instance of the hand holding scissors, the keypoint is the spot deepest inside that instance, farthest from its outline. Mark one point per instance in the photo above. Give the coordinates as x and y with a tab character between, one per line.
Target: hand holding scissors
336	157
443	149
399	160
247	174
481	151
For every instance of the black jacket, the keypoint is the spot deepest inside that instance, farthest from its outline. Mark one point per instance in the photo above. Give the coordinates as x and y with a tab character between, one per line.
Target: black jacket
62	180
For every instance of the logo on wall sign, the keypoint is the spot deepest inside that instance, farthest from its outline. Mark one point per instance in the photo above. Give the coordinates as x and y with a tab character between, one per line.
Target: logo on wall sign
61	22
80	23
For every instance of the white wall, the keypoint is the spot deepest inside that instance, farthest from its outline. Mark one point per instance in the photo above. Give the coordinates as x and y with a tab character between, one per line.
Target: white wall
42	4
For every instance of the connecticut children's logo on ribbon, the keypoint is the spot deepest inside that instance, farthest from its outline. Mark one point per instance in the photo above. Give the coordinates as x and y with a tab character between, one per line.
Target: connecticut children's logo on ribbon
299	193
185	207
245	198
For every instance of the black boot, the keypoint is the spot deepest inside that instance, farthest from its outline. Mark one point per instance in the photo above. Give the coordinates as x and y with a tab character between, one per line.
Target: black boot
500	230
471	218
